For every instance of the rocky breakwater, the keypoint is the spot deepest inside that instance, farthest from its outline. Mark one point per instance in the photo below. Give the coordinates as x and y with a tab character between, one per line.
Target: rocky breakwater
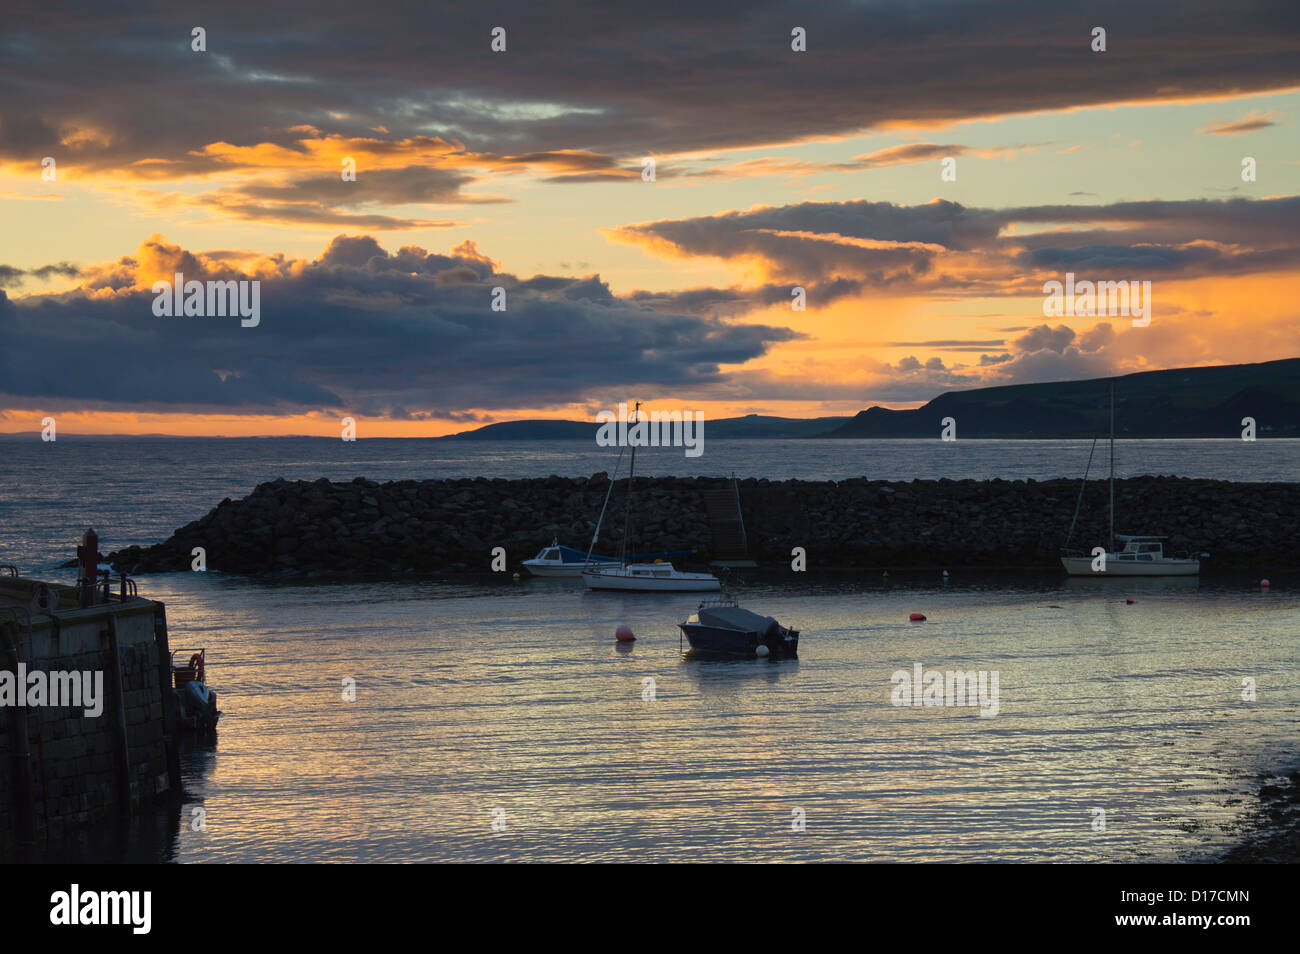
402	527
414	526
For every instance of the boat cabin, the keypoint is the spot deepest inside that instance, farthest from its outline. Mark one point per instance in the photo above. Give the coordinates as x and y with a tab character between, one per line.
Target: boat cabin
1140	549
651	569
558	555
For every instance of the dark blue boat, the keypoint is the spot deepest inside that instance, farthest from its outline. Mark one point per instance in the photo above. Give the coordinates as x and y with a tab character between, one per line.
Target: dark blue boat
720	628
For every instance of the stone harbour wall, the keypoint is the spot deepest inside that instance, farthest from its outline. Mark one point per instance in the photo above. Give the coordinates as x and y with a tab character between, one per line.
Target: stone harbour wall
325	528
80	767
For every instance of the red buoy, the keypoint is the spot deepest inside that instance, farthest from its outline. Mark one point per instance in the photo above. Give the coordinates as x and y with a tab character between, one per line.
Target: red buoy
1128	599
917	617
624	634
1263	584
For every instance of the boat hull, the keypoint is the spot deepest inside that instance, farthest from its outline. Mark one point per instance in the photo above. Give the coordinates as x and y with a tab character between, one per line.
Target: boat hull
196	708
1082	566
718	641
570	571
681	583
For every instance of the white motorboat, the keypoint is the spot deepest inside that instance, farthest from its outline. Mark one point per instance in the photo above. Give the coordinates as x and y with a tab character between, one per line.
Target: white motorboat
639	577
1141	555
557	560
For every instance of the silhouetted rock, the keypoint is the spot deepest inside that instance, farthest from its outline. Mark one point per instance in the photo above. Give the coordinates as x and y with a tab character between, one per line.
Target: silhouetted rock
437	525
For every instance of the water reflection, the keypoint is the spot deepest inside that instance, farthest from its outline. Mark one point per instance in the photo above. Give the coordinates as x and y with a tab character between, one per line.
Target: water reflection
147	836
476	698
733	674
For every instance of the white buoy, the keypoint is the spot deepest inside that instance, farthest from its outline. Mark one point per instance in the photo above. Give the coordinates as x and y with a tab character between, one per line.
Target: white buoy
760	650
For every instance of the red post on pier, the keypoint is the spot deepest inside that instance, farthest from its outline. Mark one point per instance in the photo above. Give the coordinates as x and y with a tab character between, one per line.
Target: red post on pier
88	565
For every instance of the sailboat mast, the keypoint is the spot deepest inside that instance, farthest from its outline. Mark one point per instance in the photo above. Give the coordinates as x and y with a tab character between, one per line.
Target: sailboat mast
605	506
1112	465
1078	504
631	472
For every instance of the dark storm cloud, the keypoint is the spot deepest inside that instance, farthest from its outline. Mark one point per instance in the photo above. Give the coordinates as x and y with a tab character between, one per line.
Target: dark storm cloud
330	200
933	246
391	186
756	231
64	269
105	85
11	277
1156	260
360	329
735	300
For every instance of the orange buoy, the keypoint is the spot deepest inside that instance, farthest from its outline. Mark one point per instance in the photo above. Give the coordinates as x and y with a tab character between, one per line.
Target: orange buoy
917	617
624	634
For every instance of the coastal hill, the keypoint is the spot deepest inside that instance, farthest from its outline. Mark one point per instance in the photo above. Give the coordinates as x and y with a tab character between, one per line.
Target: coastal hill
751	425
1180	402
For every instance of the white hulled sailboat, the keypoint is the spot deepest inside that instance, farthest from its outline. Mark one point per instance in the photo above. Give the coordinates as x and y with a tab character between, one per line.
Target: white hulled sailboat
655	577
1141	556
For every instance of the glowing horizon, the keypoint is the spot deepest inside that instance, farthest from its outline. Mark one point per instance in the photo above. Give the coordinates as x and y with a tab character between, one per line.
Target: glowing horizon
921	219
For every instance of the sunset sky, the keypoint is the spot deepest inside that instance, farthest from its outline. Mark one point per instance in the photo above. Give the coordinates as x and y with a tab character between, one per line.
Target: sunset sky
523	169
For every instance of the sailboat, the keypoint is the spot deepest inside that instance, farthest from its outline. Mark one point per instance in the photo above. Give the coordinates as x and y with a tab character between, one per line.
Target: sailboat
655	577
1141	556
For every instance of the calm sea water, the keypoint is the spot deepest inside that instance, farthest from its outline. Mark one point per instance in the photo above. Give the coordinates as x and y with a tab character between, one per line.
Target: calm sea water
509	702
138	490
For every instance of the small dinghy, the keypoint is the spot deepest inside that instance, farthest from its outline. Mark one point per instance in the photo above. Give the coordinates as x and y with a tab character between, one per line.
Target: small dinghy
720	628
196	702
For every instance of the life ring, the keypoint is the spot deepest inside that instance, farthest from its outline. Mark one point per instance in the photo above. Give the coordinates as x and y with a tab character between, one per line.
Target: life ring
196	664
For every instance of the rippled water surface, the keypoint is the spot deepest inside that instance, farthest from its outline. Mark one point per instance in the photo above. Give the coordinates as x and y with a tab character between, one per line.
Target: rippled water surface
513	697
510	702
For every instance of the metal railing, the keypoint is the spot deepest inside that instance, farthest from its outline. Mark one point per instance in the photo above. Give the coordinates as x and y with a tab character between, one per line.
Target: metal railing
189	673
719	601
127	589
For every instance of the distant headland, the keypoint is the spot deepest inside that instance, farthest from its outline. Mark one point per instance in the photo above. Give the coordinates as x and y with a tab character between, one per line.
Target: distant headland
1178	403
